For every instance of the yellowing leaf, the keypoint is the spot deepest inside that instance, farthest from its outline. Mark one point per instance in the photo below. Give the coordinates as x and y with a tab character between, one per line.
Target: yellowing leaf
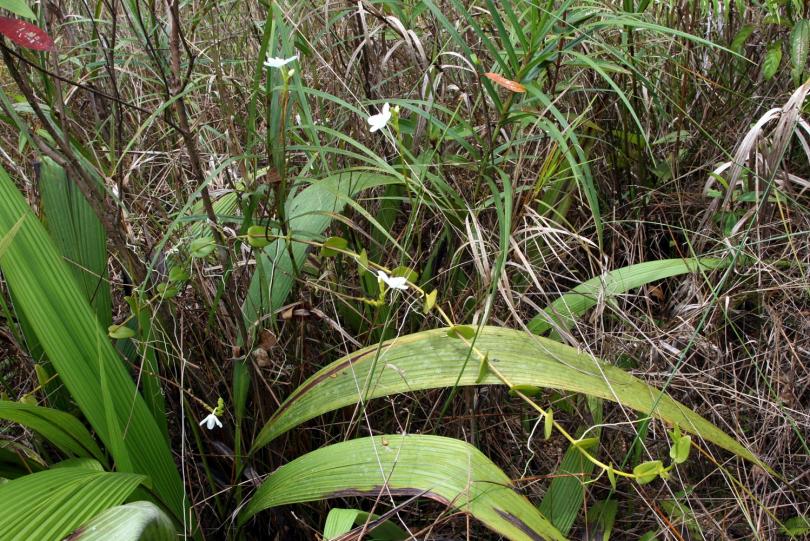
430	301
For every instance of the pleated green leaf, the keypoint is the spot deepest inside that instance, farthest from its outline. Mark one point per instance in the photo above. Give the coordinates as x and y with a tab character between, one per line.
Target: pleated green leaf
309	214
443	469
52	503
431	359
78	235
61	429
573	304
47	294
136	521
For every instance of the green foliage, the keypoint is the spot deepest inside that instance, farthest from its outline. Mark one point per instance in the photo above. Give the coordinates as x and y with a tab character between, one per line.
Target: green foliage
78	235
136	521
601	517
78	347
796	527
53	503
527	140
18	7
59	428
799	47
433	360
647	472
459	475
564	311
309	213
340	521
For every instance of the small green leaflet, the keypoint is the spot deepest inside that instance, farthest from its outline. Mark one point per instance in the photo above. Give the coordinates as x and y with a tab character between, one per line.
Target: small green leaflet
333	246
648	471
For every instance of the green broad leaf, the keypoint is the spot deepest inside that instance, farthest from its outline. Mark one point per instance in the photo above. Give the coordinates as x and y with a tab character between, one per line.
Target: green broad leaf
459	476
78	235
86	463
565	496
796	527
52	503
681	515
461	331
600	519
799	47
679	452
225	207
136	521
548	424
741	37
309	214
202	247
18	7
178	274
333	246
565	310
120	332
9	236
257	236
432	360
773	59
648	471
70	334
167	291
61	429
340	521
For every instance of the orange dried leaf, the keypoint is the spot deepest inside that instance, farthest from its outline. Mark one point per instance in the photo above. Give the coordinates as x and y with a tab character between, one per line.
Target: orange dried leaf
508	84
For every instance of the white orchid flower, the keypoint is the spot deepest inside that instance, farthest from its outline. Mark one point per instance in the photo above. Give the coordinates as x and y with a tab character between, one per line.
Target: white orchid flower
380	120
393	282
275	62
211	421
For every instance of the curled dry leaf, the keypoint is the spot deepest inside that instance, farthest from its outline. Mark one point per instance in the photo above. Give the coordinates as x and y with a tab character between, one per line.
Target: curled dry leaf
508	84
267	339
25	34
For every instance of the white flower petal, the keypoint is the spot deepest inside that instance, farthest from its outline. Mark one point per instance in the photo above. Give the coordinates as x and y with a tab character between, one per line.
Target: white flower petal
276	62
210	421
398	282
380	120
393	282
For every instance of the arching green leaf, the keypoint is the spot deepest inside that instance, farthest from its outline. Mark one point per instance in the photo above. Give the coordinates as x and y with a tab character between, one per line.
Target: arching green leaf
443	469
61	429
136	521
52	503
431	359
573	304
